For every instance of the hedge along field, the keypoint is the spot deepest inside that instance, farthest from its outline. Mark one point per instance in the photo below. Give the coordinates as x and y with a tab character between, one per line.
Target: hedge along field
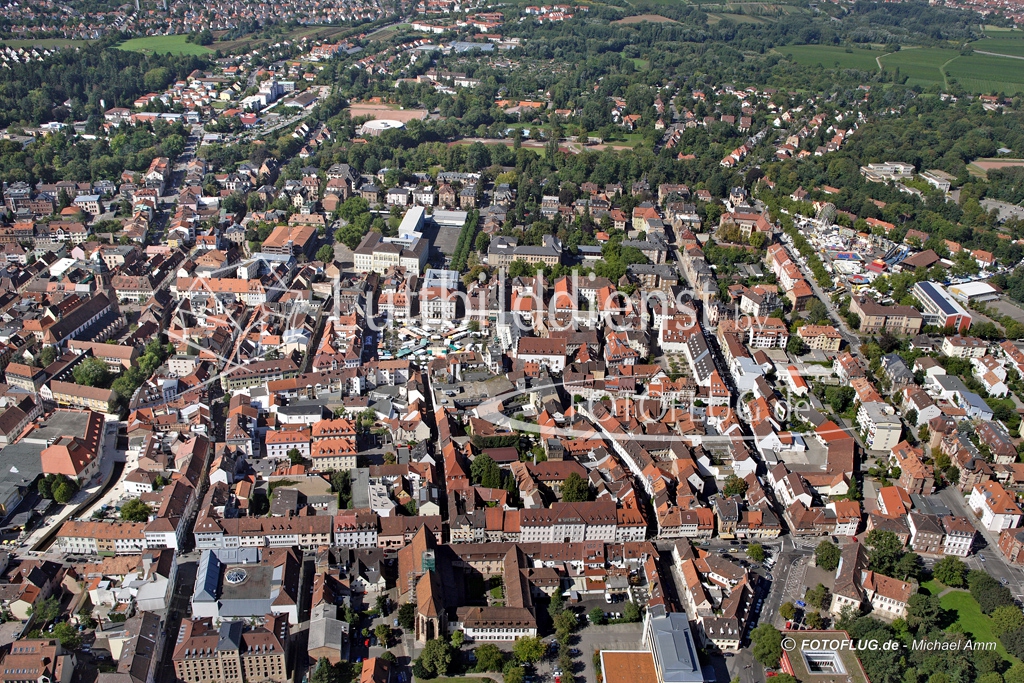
829	56
172	45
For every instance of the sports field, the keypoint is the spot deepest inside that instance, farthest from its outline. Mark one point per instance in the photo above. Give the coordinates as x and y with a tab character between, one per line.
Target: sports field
383	111
981	167
164	45
832	57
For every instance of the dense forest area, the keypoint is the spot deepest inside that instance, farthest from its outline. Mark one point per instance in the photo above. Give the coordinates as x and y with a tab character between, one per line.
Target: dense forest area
80	83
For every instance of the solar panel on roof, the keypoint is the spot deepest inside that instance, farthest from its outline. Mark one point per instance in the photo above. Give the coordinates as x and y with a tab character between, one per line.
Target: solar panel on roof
938	298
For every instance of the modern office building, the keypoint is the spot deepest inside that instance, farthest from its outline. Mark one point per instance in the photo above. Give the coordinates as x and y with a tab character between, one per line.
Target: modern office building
941	309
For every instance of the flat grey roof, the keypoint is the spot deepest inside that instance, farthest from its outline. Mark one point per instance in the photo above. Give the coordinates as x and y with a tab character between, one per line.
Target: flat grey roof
674	649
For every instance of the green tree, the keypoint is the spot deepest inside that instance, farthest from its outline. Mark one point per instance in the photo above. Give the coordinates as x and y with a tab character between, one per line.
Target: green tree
796	346
566	622
436	656
325	254
556	605
826	556
389	657
734	486
924	613
528	650
489	657
886	551
65	491
46	611
485	472
91	372
787	610
383	633
47	355
295	456
818	596
767	645
596	616
353	208
68	635
575	489
951	571
630	612
407	616
909	566
1007	618
814	620
755	551
1015	674
514	674
135	511
839	398
324	672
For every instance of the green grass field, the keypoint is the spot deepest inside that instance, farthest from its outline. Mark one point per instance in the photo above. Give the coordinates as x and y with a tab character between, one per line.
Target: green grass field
831	56
973	621
921	66
988	74
931	587
174	45
737	18
1001	45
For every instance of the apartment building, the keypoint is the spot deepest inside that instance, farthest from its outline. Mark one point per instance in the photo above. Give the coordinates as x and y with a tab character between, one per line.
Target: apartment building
281	441
767	333
547	351
106	538
306	532
820	337
71	395
997	507
881	427
960	535
258	374
959	346
915	475
569	523
926	533
356	529
37	660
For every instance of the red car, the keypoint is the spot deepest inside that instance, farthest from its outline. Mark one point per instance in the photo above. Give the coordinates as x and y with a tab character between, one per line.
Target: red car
558	679
367	643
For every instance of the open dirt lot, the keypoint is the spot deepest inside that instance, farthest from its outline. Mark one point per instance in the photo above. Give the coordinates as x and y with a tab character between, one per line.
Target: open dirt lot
382	111
981	167
653	18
